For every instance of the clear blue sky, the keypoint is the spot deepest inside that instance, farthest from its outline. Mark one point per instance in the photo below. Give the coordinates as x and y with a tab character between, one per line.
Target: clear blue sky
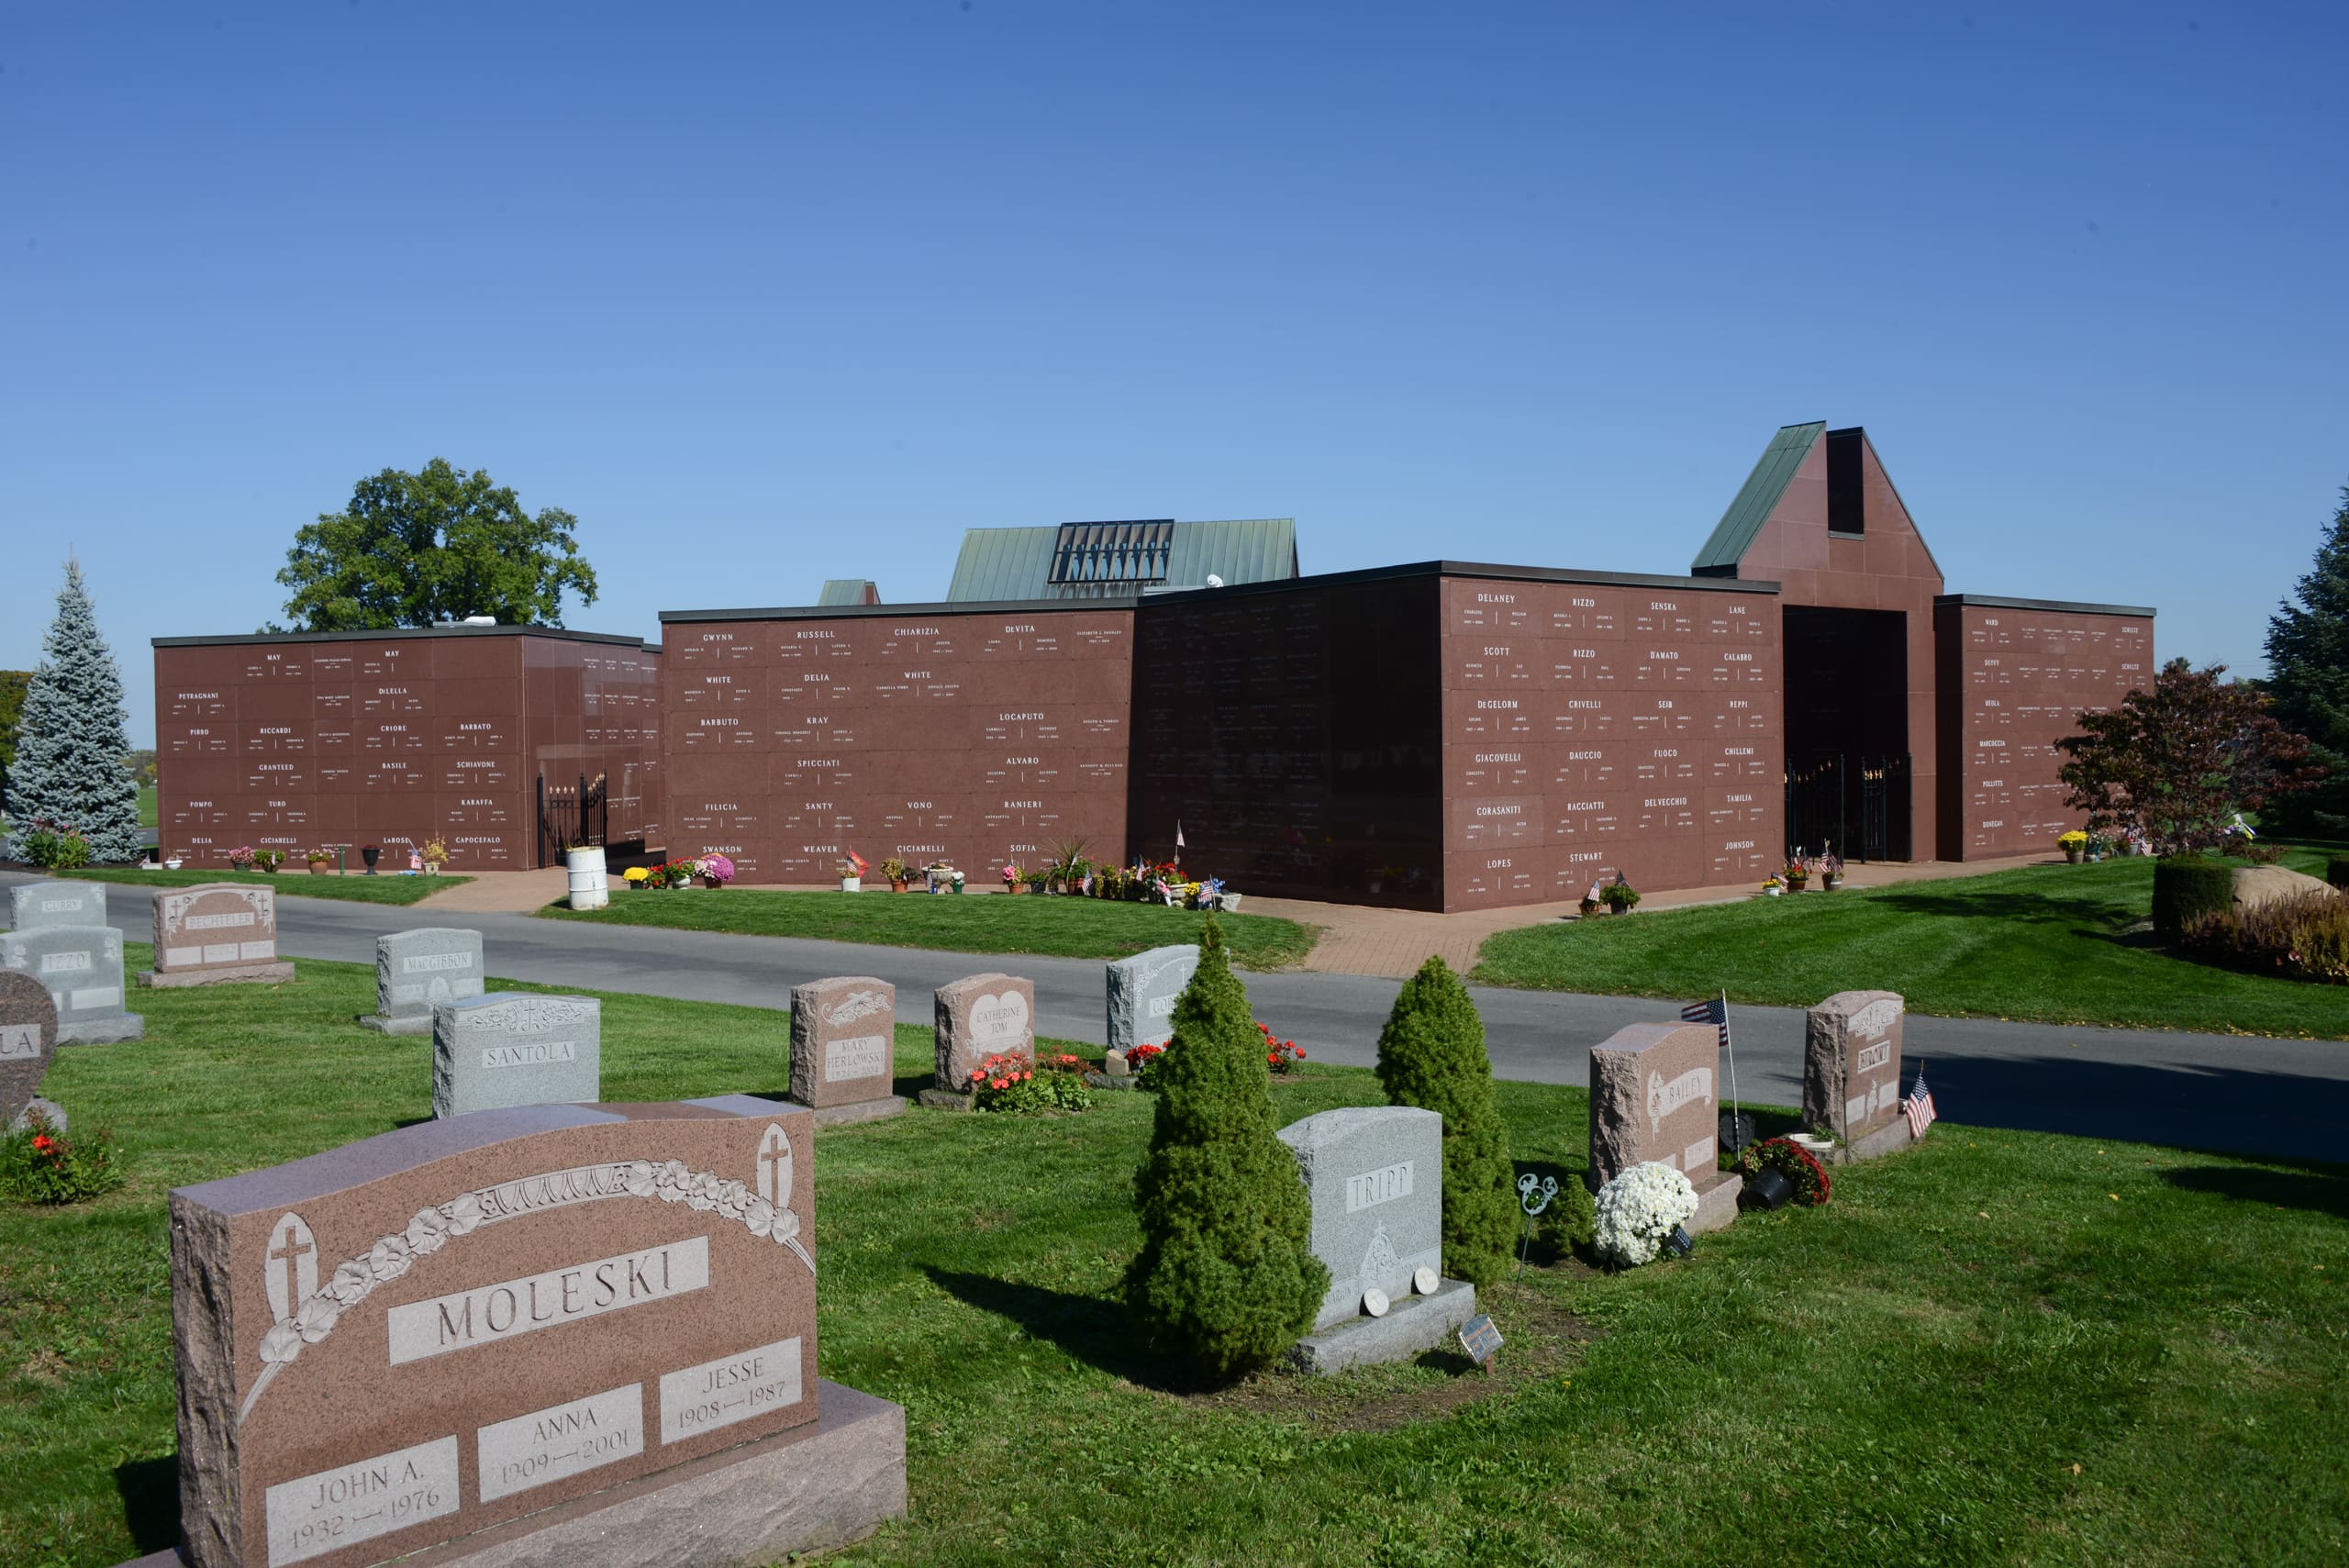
781	294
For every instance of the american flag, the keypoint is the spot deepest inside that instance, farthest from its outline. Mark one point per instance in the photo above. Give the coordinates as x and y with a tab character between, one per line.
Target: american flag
1919	1105
1713	1010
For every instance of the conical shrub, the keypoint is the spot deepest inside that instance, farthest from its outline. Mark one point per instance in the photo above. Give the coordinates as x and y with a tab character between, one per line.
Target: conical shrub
1226	1279
1432	1054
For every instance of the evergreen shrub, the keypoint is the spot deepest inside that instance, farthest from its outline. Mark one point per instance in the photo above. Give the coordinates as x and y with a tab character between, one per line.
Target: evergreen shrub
71	738
2186	886
1432	1054
1226	1279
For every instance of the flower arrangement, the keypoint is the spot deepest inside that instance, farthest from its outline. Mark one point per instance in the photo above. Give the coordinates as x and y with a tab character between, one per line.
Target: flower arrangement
436	854
2078	838
1281	1055
1014	878
1619	897
714	869
894	870
40	1164
636	877
1143	1061
1798	1166
1638	1209
317	857
242	858
269	860
1008	1081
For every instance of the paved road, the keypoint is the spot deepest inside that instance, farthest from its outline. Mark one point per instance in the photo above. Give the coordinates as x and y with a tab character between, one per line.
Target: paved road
2238	1094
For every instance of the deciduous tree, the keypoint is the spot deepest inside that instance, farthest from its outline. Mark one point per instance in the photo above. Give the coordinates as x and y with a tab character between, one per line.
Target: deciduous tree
438	545
2177	762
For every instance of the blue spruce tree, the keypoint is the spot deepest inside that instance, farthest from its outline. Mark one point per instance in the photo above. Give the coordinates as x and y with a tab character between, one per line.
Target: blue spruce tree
71	738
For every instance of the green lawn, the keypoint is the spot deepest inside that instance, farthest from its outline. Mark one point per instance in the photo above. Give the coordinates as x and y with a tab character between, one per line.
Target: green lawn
1999	1348
984	923
2047	942
147	809
297	883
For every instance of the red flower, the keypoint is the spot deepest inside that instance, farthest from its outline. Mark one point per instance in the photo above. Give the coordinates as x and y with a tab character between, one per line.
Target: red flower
43	1142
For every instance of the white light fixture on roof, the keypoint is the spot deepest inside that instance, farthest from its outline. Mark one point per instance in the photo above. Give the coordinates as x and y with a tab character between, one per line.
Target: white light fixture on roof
1214	581
478	620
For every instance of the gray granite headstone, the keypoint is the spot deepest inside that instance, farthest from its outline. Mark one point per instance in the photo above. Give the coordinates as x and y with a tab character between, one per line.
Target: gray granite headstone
28	1041
512	1048
1375	1177
1851	1073
417	971
1142	990
981	1016
57	903
81	967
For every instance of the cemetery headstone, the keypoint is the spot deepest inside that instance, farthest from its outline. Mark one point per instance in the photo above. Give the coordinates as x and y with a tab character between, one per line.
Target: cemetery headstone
844	1040
978	1017
1851	1073
453	1326
28	1044
515	1048
57	903
82	968
1655	1095
417	971
216	933
1142	991
1375	1176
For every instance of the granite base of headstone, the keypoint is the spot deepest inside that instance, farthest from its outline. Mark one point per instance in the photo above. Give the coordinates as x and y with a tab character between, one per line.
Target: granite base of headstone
843	1048
1652	1098
976	1017
591	1341
216	933
1851	1074
1374	1178
1142	991
515	1048
417	971
28	1044
56	904
82	968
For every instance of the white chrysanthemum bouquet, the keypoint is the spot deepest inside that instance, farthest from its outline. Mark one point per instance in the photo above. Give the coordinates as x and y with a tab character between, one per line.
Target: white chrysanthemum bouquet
1638	1209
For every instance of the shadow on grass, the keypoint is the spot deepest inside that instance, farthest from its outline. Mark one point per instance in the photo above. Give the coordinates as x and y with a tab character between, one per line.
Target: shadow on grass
150	1489
2315	1188
2210	1110
1096	1332
2036	909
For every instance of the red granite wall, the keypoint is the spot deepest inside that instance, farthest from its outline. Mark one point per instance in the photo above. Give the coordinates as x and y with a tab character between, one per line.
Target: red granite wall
287	742
1595	726
2015	675
971	734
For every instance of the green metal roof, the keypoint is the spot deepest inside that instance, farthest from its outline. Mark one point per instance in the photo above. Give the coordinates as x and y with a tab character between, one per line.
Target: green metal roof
1016	563
1759	497
849	590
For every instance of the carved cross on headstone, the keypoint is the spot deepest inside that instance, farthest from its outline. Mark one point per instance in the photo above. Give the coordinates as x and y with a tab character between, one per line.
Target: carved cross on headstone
292	1265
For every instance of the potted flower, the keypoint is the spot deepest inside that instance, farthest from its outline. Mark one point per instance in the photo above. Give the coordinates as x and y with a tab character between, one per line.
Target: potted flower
2074	844
175	860
1797	874
371	854
242	858
1619	897
1014	879
852	875
635	877
1831	872
318	861
894	869
717	869
436	855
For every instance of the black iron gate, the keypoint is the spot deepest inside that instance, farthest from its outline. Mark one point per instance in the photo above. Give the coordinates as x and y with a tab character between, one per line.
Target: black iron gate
1856	807
569	817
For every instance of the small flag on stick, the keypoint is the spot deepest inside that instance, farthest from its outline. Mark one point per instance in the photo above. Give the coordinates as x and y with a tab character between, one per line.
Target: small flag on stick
1712	1010
1919	1105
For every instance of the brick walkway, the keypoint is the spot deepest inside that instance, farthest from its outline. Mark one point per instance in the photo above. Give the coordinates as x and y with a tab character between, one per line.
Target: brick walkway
1394	942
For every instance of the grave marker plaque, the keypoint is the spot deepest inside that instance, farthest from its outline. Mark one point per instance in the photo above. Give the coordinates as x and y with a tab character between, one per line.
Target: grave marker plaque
417	971
216	933
843	1044
27	1042
1142	991
80	966
57	903
513	1048
397	1344
1851	1072
982	1016
1655	1096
